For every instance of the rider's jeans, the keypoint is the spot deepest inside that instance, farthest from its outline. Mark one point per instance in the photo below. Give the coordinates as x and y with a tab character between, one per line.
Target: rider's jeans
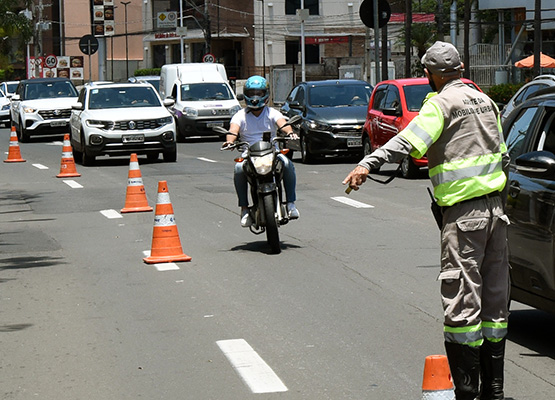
289	181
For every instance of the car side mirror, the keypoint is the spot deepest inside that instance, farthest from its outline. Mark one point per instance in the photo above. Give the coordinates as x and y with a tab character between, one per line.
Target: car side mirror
392	111
16	97
537	164
296	105
168	102
78	106
240	97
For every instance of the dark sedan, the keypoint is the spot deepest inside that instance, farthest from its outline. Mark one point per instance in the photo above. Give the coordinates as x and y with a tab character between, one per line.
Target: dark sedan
333	113
530	136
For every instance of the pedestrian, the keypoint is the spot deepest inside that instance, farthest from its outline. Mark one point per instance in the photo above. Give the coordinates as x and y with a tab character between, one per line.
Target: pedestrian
250	124
459	129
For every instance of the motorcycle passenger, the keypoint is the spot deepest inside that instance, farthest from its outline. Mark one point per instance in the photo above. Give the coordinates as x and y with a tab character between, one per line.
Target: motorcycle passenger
249	124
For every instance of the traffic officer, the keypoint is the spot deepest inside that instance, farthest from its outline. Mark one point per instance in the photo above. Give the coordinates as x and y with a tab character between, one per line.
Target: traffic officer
459	129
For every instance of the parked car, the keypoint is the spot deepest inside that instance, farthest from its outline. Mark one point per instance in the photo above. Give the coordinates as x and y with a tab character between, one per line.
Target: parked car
530	136
4	109
42	106
538	83
9	87
117	119
154	80
333	113
394	103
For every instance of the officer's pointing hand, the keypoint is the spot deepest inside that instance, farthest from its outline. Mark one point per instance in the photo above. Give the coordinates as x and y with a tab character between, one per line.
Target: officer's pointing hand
356	177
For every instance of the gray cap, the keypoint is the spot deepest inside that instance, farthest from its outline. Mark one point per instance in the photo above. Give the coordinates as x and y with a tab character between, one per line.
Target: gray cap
442	58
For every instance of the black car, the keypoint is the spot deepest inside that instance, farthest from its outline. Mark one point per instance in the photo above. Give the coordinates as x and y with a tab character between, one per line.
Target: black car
333	113
530	136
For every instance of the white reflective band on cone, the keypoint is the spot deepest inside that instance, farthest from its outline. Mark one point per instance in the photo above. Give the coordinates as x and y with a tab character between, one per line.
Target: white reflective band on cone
163	198
164	220
448	394
133	165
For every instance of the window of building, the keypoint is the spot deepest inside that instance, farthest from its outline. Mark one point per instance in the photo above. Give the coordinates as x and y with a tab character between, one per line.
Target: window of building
291	6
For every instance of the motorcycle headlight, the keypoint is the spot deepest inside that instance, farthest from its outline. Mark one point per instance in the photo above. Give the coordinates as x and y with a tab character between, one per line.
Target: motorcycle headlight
190	112
263	165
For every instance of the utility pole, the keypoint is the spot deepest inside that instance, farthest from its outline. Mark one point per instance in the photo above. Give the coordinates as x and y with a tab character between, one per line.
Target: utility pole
125	4
537	37
408	37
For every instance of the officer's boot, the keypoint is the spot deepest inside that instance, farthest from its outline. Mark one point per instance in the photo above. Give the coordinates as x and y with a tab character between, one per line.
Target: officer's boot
464	362
492	355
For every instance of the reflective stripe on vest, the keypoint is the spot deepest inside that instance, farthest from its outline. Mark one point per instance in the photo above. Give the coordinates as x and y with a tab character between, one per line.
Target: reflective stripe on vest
494	331
468	335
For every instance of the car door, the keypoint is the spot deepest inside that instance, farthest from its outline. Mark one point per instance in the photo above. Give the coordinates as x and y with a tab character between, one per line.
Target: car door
388	123
75	119
375	115
531	203
16	104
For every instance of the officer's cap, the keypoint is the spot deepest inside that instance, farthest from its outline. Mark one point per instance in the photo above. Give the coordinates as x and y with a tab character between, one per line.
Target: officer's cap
443	59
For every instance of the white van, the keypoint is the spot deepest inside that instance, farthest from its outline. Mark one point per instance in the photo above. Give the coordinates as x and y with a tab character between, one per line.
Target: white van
203	97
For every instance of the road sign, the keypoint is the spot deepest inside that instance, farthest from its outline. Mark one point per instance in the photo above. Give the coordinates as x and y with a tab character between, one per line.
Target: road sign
88	44
208	58
366	12
51	61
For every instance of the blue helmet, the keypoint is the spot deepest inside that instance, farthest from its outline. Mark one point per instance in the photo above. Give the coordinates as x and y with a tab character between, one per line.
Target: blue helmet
256	92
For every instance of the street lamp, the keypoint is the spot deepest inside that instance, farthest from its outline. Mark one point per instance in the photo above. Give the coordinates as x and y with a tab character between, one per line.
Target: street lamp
125	3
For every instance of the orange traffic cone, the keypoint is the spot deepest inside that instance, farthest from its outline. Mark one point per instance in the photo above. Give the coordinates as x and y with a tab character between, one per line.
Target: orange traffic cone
67	167
14	154
437	383
166	246
135	199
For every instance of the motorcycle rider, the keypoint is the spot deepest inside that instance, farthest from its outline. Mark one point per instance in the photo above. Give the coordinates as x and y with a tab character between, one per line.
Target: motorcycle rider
249	124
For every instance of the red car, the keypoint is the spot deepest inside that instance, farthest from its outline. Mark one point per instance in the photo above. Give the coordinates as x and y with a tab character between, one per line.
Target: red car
394	103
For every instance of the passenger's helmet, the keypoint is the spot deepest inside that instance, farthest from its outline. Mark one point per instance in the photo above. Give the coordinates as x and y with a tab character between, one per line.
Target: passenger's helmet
256	92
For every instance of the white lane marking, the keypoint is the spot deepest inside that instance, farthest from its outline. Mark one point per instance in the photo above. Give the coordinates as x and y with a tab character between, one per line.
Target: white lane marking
72	184
352	203
40	166
206	159
166	267
111	214
162	266
256	374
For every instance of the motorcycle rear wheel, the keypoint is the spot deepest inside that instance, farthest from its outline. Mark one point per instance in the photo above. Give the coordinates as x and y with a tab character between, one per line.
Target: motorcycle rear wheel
272	234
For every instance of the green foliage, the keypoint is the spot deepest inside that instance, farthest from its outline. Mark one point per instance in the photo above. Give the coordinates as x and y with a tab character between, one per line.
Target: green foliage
147	71
502	93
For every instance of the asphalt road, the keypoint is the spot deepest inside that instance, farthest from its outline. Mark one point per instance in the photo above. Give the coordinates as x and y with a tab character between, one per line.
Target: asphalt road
348	310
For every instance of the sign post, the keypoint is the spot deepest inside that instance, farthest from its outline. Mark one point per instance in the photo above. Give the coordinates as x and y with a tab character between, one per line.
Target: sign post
88	45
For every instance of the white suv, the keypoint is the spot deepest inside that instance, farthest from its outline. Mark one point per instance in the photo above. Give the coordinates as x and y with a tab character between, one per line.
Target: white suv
42	107
118	119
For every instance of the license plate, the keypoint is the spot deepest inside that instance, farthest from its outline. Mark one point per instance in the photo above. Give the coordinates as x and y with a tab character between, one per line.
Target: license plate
58	123
354	142
215	124
133	138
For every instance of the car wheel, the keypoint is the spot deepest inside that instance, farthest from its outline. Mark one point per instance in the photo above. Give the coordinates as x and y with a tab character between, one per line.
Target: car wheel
180	137
22	134
408	169
306	156
170	156
367	149
77	155
87	159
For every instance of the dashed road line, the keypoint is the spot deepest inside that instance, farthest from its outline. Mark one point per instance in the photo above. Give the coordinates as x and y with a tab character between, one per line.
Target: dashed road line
40	166
206	159
254	371
111	214
72	184
351	202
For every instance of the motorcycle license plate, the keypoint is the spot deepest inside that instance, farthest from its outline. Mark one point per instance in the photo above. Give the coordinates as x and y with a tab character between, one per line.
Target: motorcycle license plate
133	138
354	142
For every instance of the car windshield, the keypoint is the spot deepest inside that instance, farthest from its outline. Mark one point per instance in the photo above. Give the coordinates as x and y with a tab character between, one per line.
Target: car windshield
153	82
205	91
48	90
415	95
118	97
339	95
11	87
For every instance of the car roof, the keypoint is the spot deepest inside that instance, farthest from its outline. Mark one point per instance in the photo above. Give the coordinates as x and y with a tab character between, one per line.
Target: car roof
544	77
327	82
99	84
39	80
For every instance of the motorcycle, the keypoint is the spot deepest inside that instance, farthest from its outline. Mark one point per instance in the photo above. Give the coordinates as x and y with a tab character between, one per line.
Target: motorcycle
264	172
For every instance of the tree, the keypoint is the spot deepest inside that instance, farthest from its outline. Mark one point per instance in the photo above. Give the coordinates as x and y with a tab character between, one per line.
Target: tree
13	24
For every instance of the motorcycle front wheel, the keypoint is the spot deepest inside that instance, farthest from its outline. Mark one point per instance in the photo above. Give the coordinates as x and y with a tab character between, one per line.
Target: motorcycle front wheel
272	234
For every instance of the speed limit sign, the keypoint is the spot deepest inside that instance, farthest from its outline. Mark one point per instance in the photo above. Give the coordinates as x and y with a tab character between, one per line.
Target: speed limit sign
50	61
208	58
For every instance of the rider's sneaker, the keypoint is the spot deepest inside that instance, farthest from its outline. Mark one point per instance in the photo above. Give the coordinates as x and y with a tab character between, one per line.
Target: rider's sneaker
292	211
246	220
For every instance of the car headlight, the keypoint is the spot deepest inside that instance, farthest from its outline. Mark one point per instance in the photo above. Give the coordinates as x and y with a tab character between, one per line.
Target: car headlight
318	126
190	112
263	164
93	123
6	107
28	109
165	121
234	110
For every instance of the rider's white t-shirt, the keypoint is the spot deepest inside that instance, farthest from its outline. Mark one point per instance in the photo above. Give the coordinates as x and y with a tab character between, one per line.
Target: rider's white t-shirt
252	127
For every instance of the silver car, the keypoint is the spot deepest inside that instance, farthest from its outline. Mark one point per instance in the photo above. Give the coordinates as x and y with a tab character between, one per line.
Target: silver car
538	83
